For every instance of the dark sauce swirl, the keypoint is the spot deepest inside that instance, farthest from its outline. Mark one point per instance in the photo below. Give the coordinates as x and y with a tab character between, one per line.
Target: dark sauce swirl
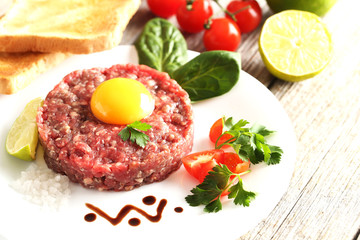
149	200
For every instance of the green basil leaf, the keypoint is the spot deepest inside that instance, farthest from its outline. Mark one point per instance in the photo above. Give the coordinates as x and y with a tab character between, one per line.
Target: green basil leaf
210	74
161	46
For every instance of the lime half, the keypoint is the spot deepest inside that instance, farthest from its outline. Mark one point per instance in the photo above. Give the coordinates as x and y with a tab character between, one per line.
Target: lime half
295	45
22	138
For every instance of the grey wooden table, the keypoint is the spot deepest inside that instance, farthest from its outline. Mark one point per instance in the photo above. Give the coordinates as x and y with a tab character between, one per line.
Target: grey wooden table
323	199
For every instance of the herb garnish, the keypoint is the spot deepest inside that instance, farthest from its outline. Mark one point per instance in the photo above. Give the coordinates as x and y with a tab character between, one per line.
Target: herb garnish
215	183
250	143
132	131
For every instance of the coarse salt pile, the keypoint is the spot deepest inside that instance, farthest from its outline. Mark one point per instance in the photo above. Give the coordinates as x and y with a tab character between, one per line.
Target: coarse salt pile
42	186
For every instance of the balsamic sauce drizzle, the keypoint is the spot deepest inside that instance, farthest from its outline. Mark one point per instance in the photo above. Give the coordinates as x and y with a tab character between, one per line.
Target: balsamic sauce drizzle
178	209
134	222
149	200
90	217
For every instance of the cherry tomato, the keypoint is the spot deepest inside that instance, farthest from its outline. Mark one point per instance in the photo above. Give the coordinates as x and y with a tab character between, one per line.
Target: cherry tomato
223	34
200	163
164	9
234	162
216	131
247	19
193	20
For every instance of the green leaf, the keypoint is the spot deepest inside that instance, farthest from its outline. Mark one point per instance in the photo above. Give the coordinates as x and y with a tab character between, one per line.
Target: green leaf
213	206
140	125
250	153
125	134
210	189
202	196
250	143
275	157
267	152
227	123
239	126
257	128
132	132
243	139
139	138
161	46
215	183
241	197
210	74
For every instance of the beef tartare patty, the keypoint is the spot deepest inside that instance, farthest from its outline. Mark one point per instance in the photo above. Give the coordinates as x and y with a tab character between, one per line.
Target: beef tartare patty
91	152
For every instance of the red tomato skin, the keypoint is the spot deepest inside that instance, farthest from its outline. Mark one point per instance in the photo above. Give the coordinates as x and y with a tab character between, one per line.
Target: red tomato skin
234	162
164	9
199	164
193	21
223	34
215	132
248	19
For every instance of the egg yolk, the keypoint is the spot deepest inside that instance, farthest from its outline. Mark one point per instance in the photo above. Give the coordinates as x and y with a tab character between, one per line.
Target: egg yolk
121	101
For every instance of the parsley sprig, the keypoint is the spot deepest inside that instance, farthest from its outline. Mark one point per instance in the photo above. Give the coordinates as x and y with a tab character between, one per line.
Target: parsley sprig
133	132
250	143
208	192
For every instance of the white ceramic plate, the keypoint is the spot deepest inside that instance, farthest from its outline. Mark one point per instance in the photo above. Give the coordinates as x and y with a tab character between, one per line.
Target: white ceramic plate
249	100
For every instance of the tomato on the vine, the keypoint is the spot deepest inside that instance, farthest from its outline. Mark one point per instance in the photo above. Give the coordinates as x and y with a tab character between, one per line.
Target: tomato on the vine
193	20
216	131
164	9
248	18
223	34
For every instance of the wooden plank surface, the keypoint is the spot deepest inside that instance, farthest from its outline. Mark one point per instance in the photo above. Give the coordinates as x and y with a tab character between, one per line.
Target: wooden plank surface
322	201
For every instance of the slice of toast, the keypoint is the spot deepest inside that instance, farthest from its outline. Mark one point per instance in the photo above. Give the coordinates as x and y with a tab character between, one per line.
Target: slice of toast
74	26
17	70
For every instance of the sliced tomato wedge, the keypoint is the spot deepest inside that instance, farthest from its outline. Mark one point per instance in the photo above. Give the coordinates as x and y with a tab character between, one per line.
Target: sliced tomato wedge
199	164
216	131
234	162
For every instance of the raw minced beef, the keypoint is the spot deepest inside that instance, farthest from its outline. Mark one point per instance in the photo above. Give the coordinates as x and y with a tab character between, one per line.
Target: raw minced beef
91	153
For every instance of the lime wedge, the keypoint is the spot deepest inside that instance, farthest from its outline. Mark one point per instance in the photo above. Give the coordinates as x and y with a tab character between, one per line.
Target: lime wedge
295	45
22	138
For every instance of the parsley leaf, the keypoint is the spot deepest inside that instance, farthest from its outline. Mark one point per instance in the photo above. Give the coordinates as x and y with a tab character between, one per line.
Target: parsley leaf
241	197
208	192
250	143
133	132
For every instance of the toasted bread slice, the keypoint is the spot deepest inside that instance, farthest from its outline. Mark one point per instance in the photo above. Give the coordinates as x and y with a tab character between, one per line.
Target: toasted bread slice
17	70
74	26
4	6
